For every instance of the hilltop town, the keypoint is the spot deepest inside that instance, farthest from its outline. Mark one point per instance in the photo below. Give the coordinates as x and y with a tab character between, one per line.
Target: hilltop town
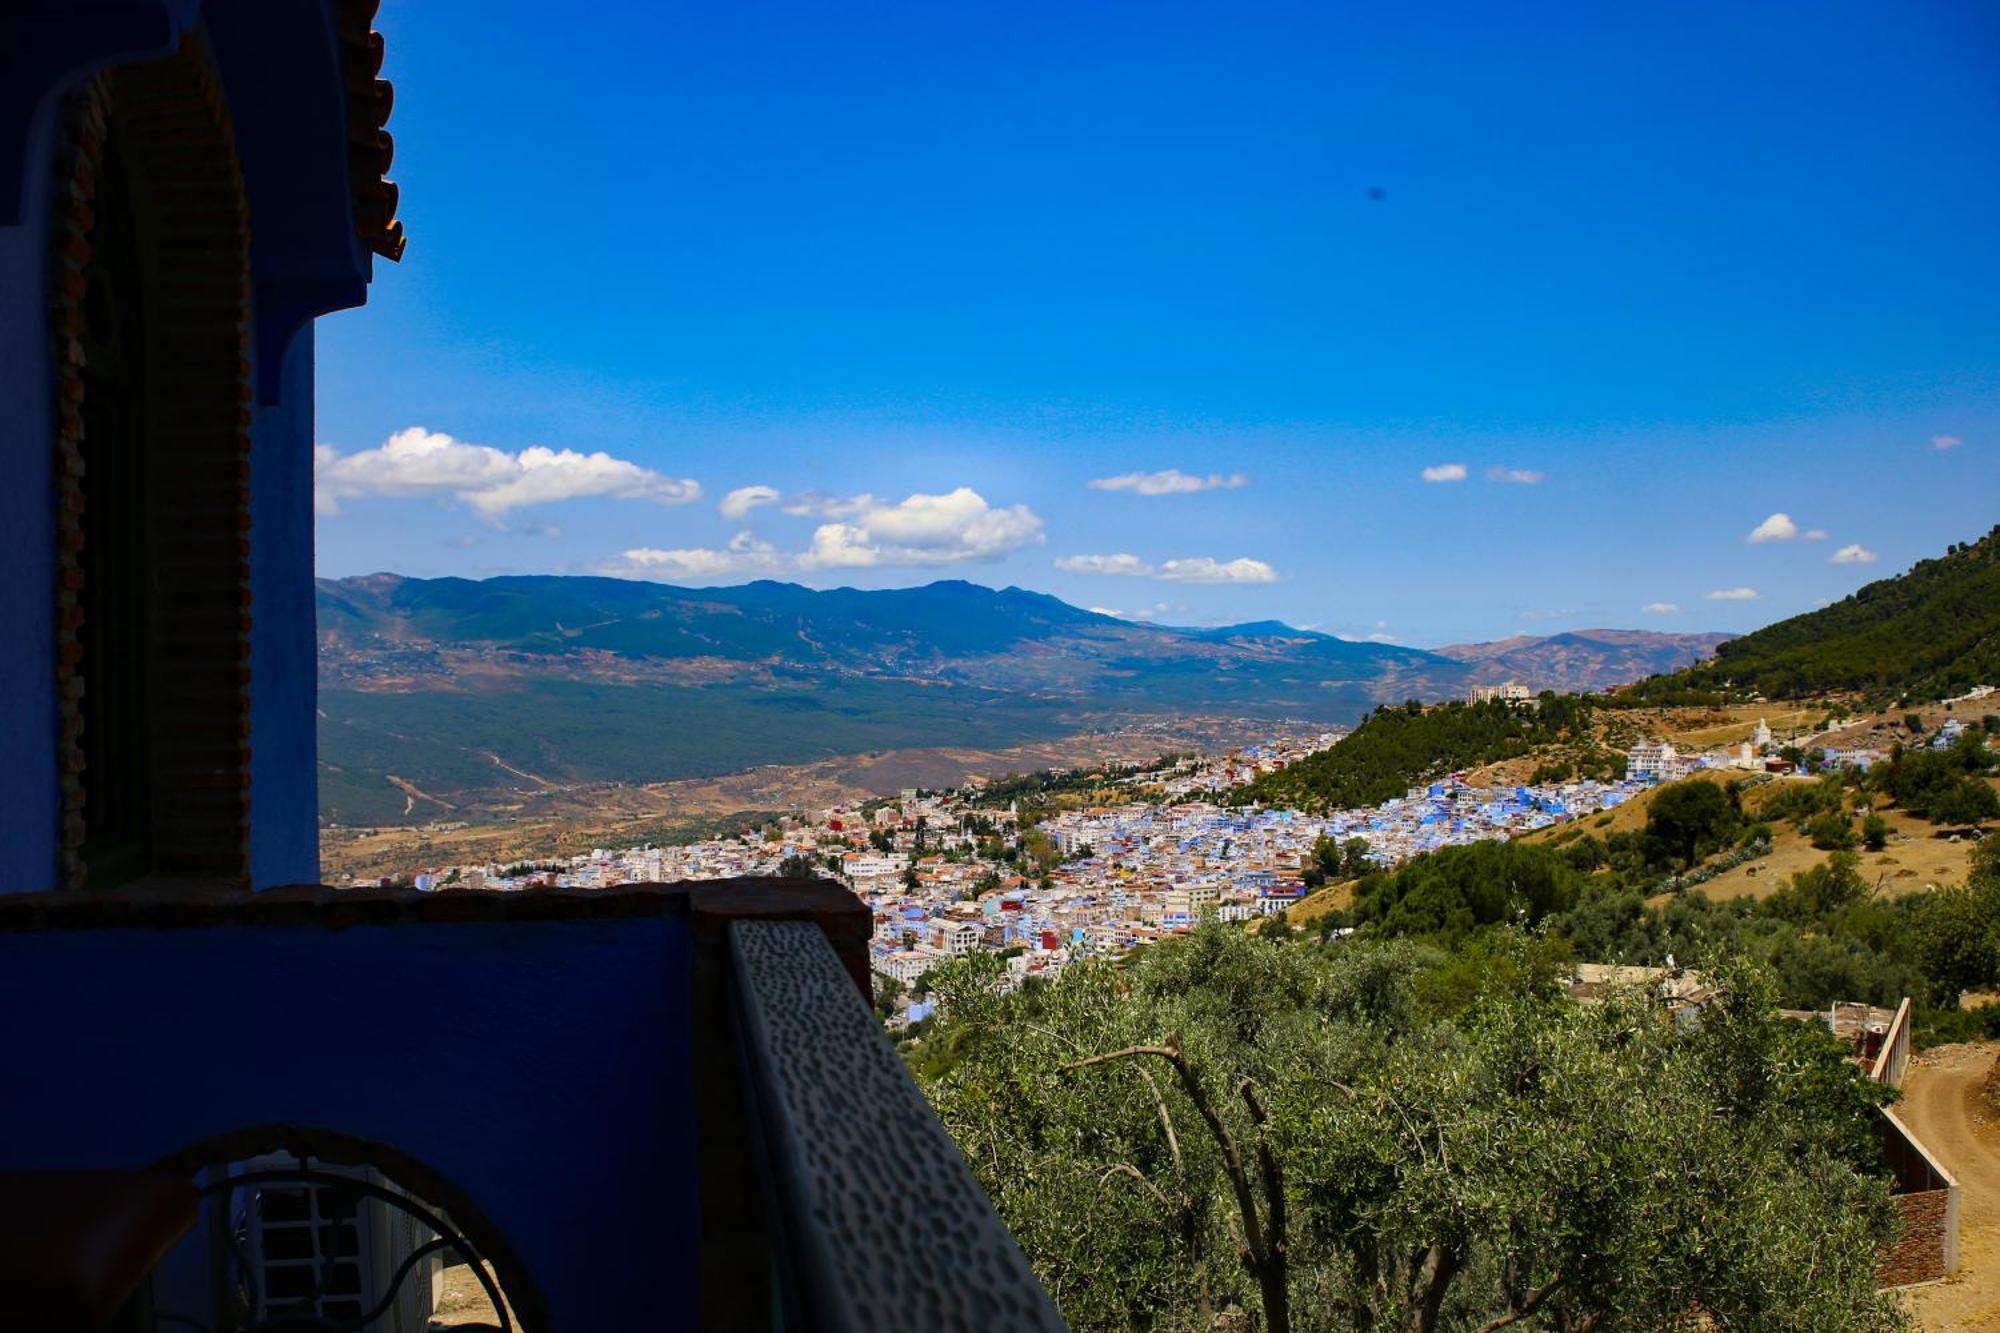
1129	855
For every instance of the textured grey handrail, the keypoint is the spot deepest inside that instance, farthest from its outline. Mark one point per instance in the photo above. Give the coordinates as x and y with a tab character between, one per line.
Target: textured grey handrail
883	1224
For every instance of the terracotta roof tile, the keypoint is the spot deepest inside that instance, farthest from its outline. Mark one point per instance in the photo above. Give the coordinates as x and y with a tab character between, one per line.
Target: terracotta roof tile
370	149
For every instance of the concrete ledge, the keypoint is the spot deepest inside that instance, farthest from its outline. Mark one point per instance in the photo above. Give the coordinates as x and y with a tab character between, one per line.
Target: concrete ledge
842	917
878	1221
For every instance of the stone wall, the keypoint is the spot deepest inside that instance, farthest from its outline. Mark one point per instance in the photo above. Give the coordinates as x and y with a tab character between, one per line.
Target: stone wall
1927	1197
1923	1252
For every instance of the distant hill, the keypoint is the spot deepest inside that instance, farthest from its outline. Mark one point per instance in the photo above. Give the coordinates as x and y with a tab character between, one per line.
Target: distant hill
1583	659
757	621
1929	632
440	697
387	632
1396	748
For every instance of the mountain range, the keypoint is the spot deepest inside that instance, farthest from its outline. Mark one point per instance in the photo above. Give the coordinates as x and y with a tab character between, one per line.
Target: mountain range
1583	659
448	691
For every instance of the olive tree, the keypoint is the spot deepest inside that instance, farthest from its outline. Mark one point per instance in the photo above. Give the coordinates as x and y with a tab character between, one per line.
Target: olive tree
1290	1135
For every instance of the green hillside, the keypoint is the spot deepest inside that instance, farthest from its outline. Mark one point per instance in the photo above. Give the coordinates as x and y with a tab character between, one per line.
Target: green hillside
464	746
1397	748
1927	633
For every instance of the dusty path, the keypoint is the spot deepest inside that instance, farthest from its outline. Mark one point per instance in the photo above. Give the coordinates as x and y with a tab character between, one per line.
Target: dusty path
1942	1102
465	1304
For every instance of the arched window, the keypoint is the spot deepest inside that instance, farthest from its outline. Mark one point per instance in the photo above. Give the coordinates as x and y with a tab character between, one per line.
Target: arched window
309	1228
151	322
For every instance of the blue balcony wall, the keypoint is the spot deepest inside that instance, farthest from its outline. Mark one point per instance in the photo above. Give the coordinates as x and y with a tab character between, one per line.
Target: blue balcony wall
284	746
540	1067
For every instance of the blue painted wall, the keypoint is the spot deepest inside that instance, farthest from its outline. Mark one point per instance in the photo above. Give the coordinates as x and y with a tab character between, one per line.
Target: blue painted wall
284	748
28	792
543	1068
307	258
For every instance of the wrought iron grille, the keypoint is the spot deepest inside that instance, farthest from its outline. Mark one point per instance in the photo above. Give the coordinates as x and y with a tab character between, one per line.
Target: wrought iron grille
307	1276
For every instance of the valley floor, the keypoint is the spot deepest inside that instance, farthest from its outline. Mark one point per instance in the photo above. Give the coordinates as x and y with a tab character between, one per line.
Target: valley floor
565	820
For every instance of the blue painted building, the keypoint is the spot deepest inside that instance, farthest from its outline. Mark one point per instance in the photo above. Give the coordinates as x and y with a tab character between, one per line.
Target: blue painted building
183	188
660	1106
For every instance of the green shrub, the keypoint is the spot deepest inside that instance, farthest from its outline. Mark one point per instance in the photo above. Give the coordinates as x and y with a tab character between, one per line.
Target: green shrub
1874	832
1831	832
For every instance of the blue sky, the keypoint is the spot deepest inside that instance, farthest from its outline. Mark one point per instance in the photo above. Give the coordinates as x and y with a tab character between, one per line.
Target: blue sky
906	279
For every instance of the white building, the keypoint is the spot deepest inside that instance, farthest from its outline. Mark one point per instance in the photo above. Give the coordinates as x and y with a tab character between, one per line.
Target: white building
955	937
1650	760
1193	901
907	965
1512	692
1678	766
871	871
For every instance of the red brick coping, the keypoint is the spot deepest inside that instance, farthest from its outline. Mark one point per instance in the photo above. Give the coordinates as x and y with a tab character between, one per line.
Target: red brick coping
709	906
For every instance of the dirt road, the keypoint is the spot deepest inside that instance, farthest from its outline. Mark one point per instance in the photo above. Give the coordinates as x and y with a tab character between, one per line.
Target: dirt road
1942	1102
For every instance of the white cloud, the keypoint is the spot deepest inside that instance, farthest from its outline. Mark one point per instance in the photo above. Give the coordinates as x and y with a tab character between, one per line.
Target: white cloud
1552	614
1191	569
417	462
921	530
1128	565
736	505
1853	555
1661	608
745	554
1202	569
1814	534
1519	476
1776	528
818	504
1172	481
1445	472
1733	595
1945	441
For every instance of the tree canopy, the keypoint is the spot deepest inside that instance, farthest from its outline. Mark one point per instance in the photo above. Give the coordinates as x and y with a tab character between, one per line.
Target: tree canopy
1928	632
1304	1134
1396	747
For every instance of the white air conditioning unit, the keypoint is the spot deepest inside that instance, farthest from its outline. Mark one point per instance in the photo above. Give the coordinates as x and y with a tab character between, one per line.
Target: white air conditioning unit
321	1248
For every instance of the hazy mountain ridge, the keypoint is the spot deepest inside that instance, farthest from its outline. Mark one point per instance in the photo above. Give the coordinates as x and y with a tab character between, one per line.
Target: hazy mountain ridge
950	630
463	691
1583	659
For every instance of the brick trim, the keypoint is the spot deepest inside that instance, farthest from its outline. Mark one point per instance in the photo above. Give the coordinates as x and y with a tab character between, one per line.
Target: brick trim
171	115
1922	1249
370	149
69	233
709	905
